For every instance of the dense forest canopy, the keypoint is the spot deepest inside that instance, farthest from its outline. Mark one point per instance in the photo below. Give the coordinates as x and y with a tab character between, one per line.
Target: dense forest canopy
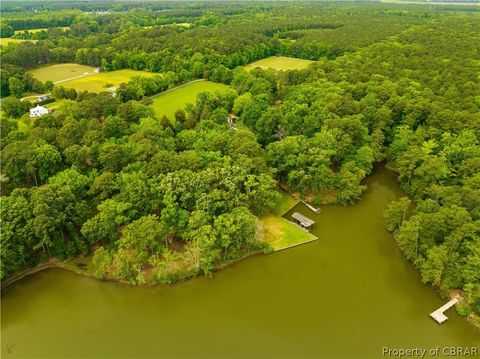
152	197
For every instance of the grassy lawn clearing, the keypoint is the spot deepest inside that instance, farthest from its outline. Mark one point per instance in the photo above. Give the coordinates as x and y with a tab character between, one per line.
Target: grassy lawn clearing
42	29
54	105
104	81
280	63
170	101
280	233
6	40
61	72
284	203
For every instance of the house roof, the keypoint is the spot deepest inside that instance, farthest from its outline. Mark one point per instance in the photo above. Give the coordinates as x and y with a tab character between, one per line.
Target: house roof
307	222
38	107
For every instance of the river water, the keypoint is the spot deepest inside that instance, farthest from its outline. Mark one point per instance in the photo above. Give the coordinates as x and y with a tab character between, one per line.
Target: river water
347	295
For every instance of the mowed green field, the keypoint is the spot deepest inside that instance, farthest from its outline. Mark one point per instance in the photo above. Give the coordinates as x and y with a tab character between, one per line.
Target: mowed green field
280	63
6	40
54	105
42	29
170	101
280	233
61	72
105	81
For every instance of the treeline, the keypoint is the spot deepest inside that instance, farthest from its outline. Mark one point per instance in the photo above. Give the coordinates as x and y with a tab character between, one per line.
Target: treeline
217	35
33	20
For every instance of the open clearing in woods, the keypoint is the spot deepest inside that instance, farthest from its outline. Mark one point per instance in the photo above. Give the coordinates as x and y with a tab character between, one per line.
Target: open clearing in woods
278	232
41	29
6	40
104	81
172	100
61	72
280	63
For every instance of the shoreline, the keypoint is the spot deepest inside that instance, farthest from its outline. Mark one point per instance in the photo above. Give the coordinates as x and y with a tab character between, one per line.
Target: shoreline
71	266
55	264
75	266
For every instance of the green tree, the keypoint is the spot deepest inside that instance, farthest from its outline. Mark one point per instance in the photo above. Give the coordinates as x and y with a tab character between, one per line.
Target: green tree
17	237
16	87
19	161
6	30
408	238
103	226
142	238
102	261
13	107
396	213
433	268
48	161
48	85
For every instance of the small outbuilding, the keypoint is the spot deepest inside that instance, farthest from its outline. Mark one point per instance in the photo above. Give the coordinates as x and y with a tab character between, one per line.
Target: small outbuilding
302	220
38	111
43	99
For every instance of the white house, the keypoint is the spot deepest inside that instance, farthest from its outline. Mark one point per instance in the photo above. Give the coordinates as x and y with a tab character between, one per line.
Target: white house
38	111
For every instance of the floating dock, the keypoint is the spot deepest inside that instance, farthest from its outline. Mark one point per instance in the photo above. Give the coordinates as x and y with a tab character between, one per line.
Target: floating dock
439	315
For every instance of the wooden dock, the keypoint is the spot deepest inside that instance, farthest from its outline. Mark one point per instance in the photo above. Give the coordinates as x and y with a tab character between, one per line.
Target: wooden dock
439	315
316	210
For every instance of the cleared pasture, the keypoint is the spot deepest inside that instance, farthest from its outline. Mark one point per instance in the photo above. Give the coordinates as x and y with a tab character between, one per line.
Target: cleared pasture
6	40
104	81
280	63
61	72
172	100
38	30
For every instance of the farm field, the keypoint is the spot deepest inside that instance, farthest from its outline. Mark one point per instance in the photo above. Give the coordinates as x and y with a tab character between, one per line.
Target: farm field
99	82
38	30
183	24
170	101
6	40
61	72
280	63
